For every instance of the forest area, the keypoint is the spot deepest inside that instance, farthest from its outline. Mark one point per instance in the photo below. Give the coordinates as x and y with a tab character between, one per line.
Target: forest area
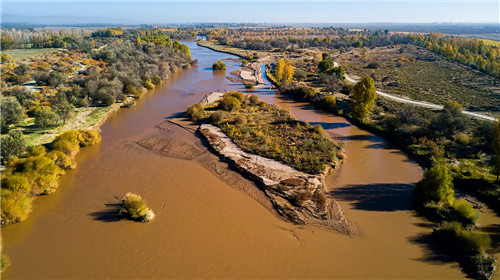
52	103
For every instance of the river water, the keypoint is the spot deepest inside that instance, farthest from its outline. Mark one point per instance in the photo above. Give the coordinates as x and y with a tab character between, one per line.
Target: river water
208	229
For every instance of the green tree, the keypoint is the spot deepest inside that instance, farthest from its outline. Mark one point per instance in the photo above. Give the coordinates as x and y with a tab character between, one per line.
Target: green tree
436	186
44	117
13	145
12	112
63	109
325	66
363	98
450	120
56	78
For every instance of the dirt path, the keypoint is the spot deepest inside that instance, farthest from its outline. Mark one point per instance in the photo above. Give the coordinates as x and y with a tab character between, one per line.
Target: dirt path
421	103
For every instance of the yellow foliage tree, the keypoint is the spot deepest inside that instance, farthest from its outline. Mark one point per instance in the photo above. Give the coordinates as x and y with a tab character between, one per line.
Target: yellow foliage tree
287	76
280	68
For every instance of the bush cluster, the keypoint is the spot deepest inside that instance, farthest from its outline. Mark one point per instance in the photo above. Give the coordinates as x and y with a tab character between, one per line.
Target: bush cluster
37	173
219	65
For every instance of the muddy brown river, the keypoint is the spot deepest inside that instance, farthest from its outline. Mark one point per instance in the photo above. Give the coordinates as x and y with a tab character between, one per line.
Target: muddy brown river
208	228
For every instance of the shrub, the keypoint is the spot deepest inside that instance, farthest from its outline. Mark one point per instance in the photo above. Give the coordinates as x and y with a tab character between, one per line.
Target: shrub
244	62
373	65
253	99
236	94
249	86
195	112
318	129
89	137
73	136
131	89
156	80
466	240
436	185
129	104
465	211
328	102
42	173
461	138
17	182
62	160
136	208
5	262
216	117
68	147
15	206
148	84
219	65
229	103
240	120
302	92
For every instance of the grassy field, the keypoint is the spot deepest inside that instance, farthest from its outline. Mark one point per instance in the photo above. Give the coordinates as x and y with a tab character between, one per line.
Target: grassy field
83	118
491	42
421	75
25	53
247	54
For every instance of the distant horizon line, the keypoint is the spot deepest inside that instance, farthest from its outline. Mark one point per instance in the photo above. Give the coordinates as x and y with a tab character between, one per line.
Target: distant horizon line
236	22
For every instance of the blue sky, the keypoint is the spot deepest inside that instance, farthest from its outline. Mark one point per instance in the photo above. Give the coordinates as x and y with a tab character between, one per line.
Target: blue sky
277	11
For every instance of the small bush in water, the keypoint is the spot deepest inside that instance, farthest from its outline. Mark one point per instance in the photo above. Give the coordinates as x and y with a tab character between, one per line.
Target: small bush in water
136	208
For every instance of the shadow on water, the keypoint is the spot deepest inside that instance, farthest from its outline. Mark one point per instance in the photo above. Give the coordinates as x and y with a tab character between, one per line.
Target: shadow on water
110	214
362	137
377	197
494	232
327	126
434	253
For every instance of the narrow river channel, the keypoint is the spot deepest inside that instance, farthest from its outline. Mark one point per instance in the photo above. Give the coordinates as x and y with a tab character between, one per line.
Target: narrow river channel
208	229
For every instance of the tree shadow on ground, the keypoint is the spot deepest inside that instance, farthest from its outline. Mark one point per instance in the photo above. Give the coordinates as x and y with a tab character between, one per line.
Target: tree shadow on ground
377	197
110	214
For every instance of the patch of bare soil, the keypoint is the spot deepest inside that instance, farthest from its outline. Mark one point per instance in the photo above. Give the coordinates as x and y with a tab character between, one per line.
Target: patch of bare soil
174	140
170	148
222	170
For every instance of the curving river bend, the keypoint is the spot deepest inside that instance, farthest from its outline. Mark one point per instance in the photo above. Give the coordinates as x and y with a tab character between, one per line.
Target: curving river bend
209	229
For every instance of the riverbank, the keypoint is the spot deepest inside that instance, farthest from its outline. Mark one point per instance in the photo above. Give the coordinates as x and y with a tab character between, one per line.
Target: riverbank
246	54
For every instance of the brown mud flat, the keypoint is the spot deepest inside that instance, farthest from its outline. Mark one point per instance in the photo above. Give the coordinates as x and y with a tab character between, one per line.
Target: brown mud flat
173	140
171	148
177	139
